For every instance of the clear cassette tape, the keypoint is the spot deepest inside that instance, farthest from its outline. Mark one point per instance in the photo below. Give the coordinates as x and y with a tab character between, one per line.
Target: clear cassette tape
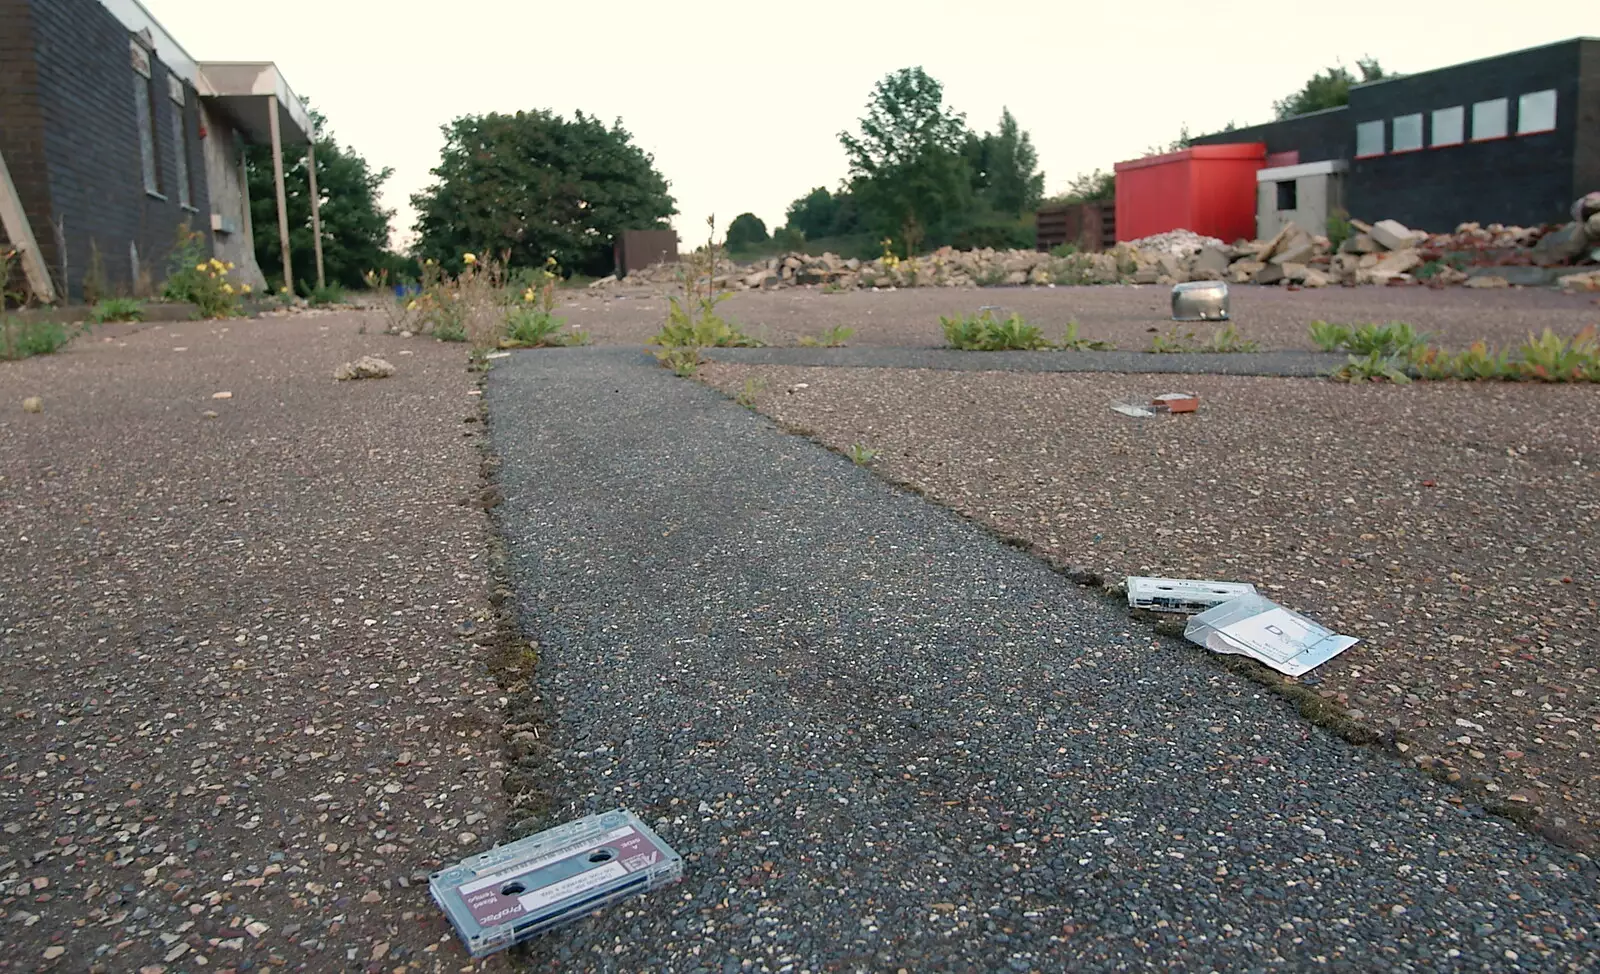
557	876
1183	595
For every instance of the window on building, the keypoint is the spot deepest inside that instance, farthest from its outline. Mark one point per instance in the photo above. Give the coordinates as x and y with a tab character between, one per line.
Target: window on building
144	112
1369	139
1489	120
180	136
1448	126
1408	133
1288	196
1536	112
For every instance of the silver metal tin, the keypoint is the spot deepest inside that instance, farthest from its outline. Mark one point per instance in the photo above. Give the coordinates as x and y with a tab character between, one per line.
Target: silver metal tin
1200	301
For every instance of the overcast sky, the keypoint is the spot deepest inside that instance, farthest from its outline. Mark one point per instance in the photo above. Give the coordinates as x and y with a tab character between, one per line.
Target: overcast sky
741	103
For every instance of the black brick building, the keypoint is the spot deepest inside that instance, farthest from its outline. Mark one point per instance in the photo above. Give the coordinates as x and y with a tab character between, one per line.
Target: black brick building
1510	139
114	137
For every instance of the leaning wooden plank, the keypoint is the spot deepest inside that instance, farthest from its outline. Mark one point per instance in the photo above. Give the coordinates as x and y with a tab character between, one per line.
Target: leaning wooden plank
21	236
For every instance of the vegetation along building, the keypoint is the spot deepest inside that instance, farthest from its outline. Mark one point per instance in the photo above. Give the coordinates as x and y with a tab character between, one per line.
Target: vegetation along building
112	136
1512	139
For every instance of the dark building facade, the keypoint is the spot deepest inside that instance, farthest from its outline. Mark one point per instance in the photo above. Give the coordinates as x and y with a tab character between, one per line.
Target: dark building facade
115	137
102	138
1510	139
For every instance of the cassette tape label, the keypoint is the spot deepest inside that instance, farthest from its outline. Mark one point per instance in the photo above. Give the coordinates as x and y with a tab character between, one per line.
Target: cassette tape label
555	877
510	893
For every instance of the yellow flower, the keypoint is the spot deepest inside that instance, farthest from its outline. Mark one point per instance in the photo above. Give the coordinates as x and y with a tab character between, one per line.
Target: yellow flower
230	265
215	263
227	288
244	288
528	294
411	305
469	258
199	267
284	289
550	261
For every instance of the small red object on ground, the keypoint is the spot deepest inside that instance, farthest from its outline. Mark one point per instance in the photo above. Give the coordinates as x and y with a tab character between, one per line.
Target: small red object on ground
1176	402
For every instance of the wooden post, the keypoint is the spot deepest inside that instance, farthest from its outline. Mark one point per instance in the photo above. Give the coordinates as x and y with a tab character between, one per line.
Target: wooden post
283	199
20	234
316	207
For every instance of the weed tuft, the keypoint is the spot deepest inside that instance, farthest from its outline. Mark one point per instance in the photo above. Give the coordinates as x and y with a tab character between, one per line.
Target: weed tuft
751	393
116	309
692	319
834	337
1397	338
1372	367
1073	343
1224	340
1551	358
983	333
861	455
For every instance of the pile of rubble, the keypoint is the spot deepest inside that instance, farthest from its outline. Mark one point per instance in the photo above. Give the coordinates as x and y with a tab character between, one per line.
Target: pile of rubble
1178	243
1381	253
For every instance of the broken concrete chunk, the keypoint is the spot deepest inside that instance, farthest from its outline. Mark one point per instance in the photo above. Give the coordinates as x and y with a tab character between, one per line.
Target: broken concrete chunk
1360	243
1244	271
1268	250
1391	234
1487	281
365	367
1210	259
1296	251
1561	246
1396	263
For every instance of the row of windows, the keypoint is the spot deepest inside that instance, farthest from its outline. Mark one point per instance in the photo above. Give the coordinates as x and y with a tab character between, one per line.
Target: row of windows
144	110
1536	112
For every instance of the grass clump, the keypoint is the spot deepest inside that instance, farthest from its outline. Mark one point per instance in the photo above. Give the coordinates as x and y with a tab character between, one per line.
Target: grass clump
1373	367
751	393
1397	338
692	319
21	339
533	322
861	455
1544	358
1224	340
116	309
1072	342
834	337
1551	358
982	332
536	328
325	295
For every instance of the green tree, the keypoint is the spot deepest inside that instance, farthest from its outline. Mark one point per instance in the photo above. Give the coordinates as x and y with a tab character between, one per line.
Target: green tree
1089	187
813	214
535	185
1328	89
746	230
355	230
907	166
1012	180
820	214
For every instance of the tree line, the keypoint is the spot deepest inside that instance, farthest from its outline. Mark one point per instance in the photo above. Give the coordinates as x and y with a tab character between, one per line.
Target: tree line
535	185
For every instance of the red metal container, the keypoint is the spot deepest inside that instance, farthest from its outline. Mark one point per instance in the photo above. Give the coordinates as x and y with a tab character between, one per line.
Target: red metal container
1210	189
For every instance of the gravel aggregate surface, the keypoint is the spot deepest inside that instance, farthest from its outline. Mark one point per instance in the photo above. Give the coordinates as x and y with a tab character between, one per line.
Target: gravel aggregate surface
1127	315
885	741
1452	527
1281	363
242	718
